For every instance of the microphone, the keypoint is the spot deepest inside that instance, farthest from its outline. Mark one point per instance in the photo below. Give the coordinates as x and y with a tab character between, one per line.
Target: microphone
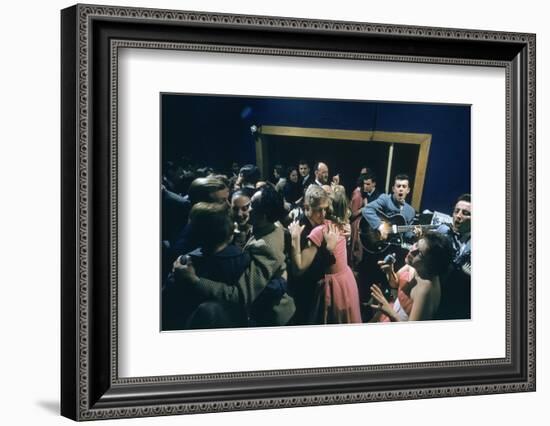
390	259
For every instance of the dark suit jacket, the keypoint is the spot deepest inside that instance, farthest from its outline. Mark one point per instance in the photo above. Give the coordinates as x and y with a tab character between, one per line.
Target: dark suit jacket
310	179
375	194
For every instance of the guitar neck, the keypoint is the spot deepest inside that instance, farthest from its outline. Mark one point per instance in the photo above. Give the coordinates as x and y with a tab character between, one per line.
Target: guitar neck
405	228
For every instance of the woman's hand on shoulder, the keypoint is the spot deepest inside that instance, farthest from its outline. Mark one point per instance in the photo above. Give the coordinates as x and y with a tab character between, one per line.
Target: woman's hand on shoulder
331	235
295	229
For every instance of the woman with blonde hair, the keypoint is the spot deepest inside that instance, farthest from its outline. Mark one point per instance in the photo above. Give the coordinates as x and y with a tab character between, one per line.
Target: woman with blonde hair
337	297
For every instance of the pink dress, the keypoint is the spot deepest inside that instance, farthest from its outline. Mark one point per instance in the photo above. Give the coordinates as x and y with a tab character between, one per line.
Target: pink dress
337	298
404	303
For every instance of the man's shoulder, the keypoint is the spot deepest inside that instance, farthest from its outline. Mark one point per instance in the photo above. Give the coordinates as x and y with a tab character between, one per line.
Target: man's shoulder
410	208
303	220
444	228
270	246
409	213
231	250
268	240
276	236
383	199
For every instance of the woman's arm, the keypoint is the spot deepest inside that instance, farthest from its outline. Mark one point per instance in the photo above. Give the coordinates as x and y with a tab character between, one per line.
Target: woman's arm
420	307
383	305
301	259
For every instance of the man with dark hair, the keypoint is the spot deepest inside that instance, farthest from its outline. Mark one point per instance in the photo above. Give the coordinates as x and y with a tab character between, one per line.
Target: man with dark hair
459	231
211	224
266	207
261	289
305	178
368	186
418	282
364	193
389	205
455	303
208	189
249	175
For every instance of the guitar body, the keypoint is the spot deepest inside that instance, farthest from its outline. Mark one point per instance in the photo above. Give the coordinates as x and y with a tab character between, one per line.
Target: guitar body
372	241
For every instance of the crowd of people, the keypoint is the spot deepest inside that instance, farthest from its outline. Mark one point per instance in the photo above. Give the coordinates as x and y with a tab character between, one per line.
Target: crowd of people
240	251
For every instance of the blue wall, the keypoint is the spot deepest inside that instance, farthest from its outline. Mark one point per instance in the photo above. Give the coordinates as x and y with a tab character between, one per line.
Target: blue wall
215	130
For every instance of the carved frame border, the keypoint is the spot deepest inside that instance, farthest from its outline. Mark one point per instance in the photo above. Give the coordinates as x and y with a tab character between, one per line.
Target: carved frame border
87	397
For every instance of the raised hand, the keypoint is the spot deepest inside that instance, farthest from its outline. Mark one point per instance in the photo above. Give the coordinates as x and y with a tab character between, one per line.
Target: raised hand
383	305
417	231
467	268
385	267
384	230
295	229
183	271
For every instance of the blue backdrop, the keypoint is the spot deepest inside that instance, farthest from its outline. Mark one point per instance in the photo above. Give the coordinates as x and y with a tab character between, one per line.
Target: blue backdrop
215	130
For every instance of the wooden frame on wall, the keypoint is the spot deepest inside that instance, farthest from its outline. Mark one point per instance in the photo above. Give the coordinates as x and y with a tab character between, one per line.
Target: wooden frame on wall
423	140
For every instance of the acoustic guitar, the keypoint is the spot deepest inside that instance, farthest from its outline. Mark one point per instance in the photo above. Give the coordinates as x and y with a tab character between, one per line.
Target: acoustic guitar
395	225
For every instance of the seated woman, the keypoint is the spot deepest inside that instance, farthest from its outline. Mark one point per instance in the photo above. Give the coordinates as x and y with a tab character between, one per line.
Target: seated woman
417	283
337	298
293	191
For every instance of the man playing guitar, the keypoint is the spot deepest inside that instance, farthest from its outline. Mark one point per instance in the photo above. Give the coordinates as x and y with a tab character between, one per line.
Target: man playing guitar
388	205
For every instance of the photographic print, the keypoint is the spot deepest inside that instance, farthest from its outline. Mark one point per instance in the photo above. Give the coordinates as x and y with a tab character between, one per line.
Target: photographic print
293	211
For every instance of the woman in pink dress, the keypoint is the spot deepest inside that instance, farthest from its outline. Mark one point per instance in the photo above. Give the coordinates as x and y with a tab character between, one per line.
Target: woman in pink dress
337	297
